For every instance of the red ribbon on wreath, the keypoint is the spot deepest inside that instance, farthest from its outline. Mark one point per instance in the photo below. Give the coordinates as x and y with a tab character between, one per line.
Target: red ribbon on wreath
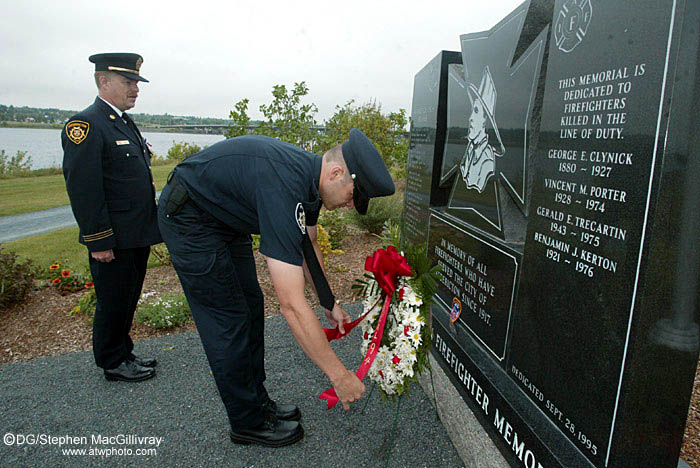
387	265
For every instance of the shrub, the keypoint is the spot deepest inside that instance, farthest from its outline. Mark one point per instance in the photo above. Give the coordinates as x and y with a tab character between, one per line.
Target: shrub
86	305
158	160
398	173
183	150
164	312
15	165
324	242
380	211
335	223
161	254
33	173
391	234
15	279
385	130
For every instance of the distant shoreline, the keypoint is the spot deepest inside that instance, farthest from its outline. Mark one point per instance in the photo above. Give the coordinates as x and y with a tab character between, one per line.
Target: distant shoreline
143	128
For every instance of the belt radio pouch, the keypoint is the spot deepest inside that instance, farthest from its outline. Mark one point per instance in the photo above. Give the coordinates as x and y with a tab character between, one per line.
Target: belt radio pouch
178	197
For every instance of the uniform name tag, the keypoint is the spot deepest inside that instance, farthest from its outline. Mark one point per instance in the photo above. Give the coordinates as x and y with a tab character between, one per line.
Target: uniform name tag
122	142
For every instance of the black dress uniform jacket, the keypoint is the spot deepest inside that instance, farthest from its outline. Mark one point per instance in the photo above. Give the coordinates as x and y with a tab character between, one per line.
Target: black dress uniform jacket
106	165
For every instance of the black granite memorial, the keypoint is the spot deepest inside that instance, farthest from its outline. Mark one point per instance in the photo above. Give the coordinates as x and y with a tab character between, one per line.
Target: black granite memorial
426	145
553	173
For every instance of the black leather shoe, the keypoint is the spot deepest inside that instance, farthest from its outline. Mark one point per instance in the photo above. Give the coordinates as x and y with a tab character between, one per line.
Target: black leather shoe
271	433
129	371
283	412
143	362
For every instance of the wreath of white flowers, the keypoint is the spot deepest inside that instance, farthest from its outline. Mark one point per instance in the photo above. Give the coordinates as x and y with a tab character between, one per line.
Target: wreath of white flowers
396	361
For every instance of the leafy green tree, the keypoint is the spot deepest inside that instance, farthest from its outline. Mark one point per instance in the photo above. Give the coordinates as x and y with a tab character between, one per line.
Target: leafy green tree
385	130
286	117
240	118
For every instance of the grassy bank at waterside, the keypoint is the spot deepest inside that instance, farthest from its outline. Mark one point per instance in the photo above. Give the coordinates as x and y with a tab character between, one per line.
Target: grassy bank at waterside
28	194
56	246
11	124
60	246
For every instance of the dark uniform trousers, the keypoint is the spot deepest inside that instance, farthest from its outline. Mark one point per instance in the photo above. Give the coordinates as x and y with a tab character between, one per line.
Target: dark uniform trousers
217	270
118	288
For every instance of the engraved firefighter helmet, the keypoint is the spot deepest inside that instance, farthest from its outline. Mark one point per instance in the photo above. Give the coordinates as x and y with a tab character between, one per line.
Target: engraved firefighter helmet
487	95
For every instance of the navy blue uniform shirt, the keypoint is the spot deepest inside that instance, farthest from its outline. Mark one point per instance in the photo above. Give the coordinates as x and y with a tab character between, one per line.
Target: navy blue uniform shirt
258	185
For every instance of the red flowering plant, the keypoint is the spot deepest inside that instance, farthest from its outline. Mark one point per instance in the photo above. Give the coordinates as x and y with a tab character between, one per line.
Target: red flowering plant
87	303
65	281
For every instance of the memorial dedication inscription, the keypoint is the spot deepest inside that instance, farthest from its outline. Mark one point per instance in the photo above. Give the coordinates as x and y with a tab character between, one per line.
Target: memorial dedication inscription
554	186
597	157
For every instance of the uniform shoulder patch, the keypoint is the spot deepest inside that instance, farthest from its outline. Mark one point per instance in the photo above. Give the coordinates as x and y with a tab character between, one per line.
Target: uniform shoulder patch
77	131
301	218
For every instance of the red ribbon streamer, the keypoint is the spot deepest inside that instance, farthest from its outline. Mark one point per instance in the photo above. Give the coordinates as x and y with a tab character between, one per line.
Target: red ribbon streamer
335	333
386	265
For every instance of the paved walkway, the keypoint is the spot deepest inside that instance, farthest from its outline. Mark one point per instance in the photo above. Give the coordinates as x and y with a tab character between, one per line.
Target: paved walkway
38	222
67	396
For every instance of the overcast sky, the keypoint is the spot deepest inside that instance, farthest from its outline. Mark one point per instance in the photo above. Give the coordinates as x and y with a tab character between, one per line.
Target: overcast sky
203	56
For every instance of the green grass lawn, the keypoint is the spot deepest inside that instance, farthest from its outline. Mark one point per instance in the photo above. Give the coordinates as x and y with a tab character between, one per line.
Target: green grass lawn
57	246
28	194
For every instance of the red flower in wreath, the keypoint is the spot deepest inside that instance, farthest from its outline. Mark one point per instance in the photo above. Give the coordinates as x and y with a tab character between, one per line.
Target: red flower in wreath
89	285
56	281
65	273
55	266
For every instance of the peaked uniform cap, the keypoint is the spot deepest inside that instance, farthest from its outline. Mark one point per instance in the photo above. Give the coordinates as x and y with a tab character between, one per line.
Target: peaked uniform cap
124	63
367	168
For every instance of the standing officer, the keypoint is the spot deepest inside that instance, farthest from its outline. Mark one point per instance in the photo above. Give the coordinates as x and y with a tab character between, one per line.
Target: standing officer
253	184
107	167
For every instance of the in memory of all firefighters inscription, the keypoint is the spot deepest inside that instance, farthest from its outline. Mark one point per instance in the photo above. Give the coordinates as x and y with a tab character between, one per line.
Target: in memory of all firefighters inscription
563	211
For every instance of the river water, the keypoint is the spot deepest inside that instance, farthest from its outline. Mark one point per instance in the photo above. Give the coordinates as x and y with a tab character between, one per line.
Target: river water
44	145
